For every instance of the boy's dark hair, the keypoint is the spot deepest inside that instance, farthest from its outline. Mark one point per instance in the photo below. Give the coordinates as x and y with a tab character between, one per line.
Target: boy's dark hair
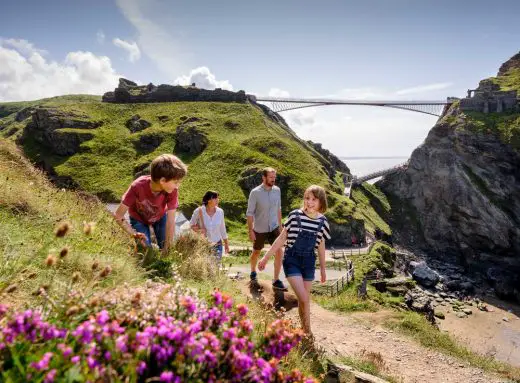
266	171
210	194
169	167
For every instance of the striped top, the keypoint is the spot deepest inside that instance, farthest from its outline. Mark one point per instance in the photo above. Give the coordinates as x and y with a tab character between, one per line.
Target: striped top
308	224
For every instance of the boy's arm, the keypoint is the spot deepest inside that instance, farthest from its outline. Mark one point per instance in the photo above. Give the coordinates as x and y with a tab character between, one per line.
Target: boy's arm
119	216
170	229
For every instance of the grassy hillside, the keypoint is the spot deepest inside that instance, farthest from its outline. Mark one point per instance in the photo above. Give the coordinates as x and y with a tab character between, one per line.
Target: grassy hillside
30	211
240	137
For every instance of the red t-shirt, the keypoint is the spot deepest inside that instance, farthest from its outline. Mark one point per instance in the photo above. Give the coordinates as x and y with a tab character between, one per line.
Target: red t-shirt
147	206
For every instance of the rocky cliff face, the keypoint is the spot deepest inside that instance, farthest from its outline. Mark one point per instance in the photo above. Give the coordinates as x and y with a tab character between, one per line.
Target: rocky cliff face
460	195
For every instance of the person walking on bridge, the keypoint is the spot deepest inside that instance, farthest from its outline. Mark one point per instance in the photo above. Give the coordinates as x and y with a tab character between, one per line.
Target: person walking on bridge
264	220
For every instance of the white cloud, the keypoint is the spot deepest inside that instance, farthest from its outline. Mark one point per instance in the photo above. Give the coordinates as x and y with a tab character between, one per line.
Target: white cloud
131	48
155	42
276	92
100	36
424	88
26	75
203	78
22	46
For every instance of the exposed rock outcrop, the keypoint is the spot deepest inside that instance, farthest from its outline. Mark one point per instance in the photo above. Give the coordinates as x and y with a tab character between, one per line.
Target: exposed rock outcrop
136	124
460	196
129	92
333	163
47	127
189	137
148	143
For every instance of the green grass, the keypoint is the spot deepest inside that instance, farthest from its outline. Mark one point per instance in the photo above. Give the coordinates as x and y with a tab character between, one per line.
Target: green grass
105	165
370	363
509	81
381	256
30	210
415	326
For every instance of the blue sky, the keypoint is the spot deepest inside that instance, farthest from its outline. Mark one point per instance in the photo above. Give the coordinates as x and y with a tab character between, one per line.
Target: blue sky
343	49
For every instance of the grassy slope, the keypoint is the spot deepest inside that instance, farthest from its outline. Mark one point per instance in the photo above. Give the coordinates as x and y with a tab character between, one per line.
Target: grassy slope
105	165
30	209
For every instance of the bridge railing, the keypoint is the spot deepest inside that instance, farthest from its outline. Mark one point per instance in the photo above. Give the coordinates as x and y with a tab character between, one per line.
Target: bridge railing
359	180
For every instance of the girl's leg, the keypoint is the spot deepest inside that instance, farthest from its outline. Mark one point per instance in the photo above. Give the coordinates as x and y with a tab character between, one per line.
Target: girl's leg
307	314
299	288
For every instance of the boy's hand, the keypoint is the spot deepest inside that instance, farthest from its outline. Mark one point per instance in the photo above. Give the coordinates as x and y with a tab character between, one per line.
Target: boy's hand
323	276
141	237
262	263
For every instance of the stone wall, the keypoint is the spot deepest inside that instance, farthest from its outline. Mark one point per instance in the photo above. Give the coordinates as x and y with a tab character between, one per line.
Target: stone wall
488	98
129	92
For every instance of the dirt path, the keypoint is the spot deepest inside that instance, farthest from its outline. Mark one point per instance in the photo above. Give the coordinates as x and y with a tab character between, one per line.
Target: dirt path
403	358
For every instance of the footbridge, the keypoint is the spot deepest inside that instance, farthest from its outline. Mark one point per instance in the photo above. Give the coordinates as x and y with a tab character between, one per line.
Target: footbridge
358	180
283	104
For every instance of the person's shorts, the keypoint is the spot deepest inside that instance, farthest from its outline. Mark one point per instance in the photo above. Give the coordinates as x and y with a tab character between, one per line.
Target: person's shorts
270	237
295	265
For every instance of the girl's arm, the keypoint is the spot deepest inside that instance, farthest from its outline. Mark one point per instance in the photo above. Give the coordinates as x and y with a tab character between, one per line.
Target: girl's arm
321	254
278	243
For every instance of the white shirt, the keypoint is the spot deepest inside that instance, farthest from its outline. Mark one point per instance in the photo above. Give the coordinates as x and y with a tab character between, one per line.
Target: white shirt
214	225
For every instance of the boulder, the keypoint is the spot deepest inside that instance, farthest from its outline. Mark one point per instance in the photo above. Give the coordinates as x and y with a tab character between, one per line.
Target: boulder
252	177
148	143
190	139
24	114
423	274
46	127
136	124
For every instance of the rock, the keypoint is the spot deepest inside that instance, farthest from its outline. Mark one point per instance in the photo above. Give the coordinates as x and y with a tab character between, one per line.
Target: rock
127	84
148	143
163	118
129	92
467	311
136	124
439	315
331	163
423	274
24	114
231	125
398	285
505	319
46	128
460	195
461	315
190	139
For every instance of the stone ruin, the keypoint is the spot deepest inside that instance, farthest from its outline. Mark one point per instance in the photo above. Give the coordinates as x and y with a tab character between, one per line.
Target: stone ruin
129	92
488	98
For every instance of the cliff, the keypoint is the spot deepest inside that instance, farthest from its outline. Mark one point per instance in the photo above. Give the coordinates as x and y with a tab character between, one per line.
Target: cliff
460	195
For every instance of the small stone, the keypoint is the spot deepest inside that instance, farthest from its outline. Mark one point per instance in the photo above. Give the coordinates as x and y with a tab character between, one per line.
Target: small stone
505	319
467	311
461	315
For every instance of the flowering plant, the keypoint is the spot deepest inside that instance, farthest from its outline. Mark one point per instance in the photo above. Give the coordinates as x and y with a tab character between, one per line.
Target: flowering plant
157	332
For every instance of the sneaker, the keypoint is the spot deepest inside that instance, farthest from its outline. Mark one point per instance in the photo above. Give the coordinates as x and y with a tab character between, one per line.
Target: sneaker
253	275
278	284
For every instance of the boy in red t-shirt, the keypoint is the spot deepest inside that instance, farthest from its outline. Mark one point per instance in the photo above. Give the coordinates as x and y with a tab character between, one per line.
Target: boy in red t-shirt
152	200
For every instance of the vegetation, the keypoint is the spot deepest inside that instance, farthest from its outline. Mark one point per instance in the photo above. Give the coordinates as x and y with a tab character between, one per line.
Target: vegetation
65	259
240	137
369	362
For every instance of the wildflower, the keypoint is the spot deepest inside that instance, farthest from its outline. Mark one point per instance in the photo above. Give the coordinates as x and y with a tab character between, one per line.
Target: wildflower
88	228
75	277
242	309
50	260
102	317
75	359
64	252
11	289
107	270
141	367
43	363
51	375
62	229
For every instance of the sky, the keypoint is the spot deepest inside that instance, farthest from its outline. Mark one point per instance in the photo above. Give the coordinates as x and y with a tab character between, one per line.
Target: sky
366	49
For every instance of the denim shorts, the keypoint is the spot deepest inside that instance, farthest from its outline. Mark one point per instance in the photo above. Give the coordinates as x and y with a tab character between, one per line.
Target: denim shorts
297	265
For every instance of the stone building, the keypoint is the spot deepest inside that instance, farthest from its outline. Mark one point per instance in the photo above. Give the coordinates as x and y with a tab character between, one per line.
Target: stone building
488	98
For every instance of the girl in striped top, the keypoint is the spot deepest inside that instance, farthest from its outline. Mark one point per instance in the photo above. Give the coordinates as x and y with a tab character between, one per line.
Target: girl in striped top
304	232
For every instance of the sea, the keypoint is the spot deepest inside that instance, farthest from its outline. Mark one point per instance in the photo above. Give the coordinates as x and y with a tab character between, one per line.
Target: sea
360	166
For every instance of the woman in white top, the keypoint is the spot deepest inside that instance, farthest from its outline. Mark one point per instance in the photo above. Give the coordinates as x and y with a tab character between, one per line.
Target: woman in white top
212	225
